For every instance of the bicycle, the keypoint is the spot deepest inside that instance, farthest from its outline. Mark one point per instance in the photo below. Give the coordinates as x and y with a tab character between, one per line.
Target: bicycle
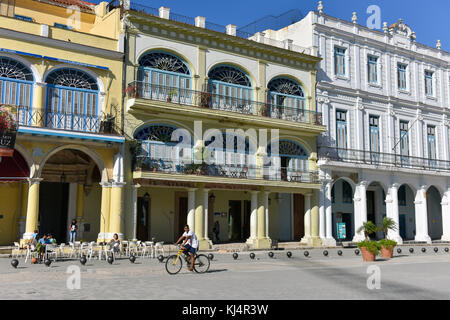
174	263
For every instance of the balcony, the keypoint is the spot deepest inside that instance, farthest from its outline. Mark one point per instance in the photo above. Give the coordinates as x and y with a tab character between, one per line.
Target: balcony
382	159
236	171
99	124
147	91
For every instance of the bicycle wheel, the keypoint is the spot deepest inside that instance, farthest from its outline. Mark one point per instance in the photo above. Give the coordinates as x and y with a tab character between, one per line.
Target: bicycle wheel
174	264
201	263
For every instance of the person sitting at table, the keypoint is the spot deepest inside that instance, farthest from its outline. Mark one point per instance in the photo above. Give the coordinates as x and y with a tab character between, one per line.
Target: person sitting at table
43	241
51	239
114	245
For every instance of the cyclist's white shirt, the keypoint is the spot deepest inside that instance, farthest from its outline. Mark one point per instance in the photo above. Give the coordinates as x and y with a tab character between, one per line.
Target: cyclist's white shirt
192	241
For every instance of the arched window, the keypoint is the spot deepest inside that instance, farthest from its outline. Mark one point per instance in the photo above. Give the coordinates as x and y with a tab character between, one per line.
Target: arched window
291	160
231	89
286	98
72	100
157	144
163	76
16	83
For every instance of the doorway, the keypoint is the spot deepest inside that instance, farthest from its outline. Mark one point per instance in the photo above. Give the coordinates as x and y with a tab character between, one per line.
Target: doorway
234	221
181	215
143	219
53	209
299	220
247	213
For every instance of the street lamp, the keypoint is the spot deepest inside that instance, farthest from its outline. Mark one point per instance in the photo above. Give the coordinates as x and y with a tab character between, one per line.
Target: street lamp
212	198
146	196
63	178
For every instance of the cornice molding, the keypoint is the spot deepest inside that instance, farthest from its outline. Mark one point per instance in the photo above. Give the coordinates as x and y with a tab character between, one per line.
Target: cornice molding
69	46
229	43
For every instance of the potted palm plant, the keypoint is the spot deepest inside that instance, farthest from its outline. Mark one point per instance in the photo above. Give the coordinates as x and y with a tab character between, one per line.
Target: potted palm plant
170	94
370	249
387	246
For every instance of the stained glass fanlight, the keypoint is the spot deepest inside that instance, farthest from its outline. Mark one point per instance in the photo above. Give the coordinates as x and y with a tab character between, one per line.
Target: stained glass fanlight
13	69
285	86
72	78
164	61
229	74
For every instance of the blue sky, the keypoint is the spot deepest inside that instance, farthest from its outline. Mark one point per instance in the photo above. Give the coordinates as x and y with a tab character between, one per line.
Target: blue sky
429	19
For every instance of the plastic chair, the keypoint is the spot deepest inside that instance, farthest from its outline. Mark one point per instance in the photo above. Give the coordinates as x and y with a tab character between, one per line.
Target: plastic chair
31	249
51	250
61	248
18	250
159	249
150	246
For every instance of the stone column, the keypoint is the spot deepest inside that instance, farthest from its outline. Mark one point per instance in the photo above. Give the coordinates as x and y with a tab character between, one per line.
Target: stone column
191	209
253	219
262	242
134	197
315	239
445	204
421	216
393	212
116	217
80	210
205	219
322	223
266	213
32	208
360	212
307	237
104	211
329	215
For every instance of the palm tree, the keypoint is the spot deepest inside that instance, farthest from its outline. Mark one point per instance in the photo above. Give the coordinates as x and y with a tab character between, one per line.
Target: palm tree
368	227
386	225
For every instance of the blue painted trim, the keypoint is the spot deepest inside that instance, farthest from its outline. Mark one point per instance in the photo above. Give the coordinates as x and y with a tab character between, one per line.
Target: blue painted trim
72	135
75	63
53	59
21	53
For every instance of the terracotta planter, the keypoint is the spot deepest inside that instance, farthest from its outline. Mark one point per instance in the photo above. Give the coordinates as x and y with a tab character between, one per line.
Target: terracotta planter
387	252
367	255
33	260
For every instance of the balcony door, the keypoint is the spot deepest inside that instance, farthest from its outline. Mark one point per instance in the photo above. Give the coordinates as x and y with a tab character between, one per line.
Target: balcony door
72	100
165	77
374	132
404	143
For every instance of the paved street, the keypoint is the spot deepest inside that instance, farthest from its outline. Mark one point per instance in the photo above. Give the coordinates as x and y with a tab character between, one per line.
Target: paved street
416	276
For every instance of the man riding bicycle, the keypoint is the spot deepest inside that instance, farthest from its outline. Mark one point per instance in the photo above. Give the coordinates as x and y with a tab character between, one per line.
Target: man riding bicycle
190	244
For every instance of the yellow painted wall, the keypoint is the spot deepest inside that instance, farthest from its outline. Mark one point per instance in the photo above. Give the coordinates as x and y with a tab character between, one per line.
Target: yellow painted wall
92	204
9	206
162	213
49	14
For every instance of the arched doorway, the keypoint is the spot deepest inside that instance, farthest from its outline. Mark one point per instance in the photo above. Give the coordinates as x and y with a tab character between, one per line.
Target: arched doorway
70	190
342	194
407	213
434	213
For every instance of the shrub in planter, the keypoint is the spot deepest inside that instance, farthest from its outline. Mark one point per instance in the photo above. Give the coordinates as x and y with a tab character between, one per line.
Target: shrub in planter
387	248
369	249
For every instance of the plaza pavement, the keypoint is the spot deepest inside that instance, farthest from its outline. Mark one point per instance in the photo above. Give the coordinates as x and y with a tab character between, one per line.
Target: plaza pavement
406	276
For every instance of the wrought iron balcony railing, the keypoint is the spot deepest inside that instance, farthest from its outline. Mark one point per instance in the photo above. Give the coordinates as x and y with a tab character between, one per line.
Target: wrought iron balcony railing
383	159
239	171
143	90
102	123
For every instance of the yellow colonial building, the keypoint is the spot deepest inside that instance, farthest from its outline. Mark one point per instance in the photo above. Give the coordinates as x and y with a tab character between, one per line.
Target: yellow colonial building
222	127
61	65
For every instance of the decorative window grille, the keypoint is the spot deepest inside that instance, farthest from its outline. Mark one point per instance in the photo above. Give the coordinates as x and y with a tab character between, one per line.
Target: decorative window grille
72	100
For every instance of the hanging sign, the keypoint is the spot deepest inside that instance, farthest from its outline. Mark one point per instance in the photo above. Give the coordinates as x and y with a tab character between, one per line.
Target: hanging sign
8	130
